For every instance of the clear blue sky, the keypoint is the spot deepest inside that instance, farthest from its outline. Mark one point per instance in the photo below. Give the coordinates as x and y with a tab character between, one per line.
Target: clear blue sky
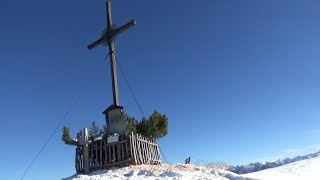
239	80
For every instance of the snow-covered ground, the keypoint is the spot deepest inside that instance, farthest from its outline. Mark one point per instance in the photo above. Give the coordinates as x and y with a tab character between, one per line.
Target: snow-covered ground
165	171
308	169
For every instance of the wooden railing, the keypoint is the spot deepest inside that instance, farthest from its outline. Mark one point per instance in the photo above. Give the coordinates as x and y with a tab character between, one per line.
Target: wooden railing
143	150
132	149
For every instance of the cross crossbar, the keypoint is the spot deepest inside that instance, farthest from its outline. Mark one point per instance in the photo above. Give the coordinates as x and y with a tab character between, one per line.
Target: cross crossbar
111	34
107	38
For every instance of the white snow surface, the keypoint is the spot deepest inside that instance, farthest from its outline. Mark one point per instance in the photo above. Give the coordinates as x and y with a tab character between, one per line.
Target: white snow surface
308	169
160	172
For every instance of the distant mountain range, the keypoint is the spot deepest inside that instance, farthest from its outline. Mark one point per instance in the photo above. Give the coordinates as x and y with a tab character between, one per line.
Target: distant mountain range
258	166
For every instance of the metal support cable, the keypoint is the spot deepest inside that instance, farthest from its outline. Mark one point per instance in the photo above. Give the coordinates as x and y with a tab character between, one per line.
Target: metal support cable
128	84
51	135
163	155
68	110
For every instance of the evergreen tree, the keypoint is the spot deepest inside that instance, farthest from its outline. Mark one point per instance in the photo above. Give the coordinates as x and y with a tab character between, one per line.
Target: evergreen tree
130	123
143	127
66	134
105	132
66	138
155	127
158	125
94	131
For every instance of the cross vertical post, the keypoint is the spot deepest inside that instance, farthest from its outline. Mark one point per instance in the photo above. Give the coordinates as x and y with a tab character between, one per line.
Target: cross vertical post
112	58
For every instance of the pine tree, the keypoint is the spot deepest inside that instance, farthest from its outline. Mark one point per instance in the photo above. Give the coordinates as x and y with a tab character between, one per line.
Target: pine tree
158	125
66	134
66	138
94	131
105	132
143	127
130	123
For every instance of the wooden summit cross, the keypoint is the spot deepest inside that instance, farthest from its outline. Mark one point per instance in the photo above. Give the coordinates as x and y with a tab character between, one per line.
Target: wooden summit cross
112	113
119	148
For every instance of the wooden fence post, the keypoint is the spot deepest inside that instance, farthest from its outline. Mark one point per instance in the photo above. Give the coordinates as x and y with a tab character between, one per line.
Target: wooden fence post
85	151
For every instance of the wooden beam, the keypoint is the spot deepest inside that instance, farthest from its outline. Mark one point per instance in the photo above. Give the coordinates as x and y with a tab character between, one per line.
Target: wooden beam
122	151
125	27
114	74
100	159
113	154
109	160
96	43
105	153
109	16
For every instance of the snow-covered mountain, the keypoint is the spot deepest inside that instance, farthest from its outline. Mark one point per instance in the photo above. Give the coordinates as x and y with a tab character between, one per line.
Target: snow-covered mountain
258	166
308	169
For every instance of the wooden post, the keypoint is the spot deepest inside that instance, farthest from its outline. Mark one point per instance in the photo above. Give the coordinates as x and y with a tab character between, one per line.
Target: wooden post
112	59
85	151
105	152
100	160
76	161
95	144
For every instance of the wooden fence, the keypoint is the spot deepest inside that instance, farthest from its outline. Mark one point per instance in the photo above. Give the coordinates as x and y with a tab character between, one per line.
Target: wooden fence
132	149
143	150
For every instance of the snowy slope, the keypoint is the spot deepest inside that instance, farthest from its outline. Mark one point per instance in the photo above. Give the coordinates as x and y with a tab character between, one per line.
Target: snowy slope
183	172
308	169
